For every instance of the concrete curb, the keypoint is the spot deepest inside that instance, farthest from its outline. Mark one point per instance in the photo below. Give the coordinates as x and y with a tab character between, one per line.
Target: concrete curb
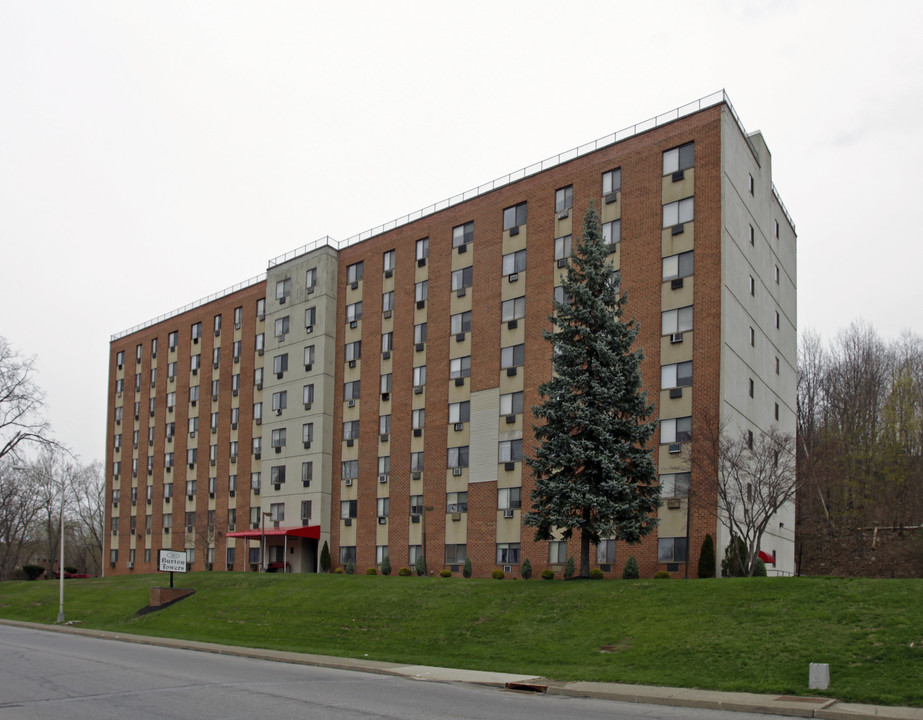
786	705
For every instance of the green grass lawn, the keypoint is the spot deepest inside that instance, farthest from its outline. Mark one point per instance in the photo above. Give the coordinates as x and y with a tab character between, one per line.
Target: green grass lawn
754	635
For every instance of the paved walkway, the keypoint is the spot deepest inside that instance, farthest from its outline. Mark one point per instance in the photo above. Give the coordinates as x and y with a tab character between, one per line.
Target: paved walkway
785	705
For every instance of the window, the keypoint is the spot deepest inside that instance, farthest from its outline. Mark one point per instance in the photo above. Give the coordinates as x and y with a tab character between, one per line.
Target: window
255	481
353	351
458	457
349	469
233	449
305	510
416	462
677	266
671	549
422	249
676	321
515	216
282	327
236	350
751	285
564	199
257	443
750	387
605	551
213	453
511	404
381	552
170	430
422	291
508	553
310	279
283	289
777	366
280	363
612	182
460	367
280	400
514	262
354	312
416	504
258	377
676	430
260	342
775	228
384	424
309	355
238	315
196	331
277	512
456	502
387	301
307	472
310	317
752	337
512	356
460	412
351	390
679	212
612	232
750	183
167	521
260	308
193	425
463	234
308	394
258	411
775	274
419	376
509	498
418	419
351	430
752	236
510	450
171	340
462	279
384	464
153	347
194	394
120	358
778	320
347	508
235	383
676	375
777	411
387	262
679	158
455	554
562	247
307	434
354	273
419	333
674	485
278	438
119	385
460	323
557	552
560	296
514	309
383	507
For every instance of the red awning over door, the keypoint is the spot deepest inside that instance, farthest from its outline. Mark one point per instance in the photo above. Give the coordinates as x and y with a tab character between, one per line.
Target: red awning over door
308	531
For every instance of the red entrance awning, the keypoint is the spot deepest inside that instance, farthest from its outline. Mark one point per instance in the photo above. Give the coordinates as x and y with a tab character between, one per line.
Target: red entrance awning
308	531
764	556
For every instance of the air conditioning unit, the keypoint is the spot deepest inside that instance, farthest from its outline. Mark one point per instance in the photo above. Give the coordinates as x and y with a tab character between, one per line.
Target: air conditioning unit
414	518
562	262
416	475
130	565
418	390
385	396
167	529
676	338
514	230
347	521
509	466
676	283
508	513
456	517
353	324
349	482
382	478
231	527
147	531
386	314
507	568
190	528
309	329
675	447
510	419
352	363
279	412
456	471
350	403
459	426
676	392
417	432
512	324
673	503
166	500
386	355
382	520
277	486
350	442
513	277
459	382
462	249
278	449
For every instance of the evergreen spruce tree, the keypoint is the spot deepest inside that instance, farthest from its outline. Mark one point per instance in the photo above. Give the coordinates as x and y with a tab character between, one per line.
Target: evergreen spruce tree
325	558
467	569
707	557
525	570
421	566
569	568
631	571
593	471
386	565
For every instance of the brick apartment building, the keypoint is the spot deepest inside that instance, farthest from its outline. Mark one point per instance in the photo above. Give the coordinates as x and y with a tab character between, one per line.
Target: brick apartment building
375	393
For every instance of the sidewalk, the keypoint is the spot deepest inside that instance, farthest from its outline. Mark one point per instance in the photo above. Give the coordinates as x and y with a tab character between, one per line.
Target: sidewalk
785	705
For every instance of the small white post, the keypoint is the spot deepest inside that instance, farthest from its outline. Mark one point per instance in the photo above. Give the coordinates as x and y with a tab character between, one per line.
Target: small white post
819	676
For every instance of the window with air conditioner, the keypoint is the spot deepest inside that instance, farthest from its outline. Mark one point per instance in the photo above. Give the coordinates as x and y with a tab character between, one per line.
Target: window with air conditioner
354	273
515	216
458	457
676	375
514	263
675	430
510	451
513	309
564	199
460	323
676	321
455	553
508	553
671	549
460	412
456	502
509	498
460	367
463	234
679	212
674	485
612	182
679	158
678	266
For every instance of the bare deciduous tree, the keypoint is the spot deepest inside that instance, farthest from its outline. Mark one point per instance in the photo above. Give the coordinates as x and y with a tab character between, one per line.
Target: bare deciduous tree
751	477
21	402
19	507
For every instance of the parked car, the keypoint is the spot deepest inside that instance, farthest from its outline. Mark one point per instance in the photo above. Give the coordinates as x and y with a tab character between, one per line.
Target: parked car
279	566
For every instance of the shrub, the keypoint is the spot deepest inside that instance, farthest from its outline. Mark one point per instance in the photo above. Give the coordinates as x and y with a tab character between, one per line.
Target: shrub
569	568
596	574
498	574
707	557
325	558
386	565
421	566
33	572
631	569
445	572
525	569
760	569
547	574
404	572
350	567
70	569
735	554
338	571
371	571
467	570
661	575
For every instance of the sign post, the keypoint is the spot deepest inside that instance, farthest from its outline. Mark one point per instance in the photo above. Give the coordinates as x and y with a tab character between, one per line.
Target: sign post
171	561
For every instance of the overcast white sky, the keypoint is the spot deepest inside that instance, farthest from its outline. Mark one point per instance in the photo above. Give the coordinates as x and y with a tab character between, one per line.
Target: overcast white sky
154	153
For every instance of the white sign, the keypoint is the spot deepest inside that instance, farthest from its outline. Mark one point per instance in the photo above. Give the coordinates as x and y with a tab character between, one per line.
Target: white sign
171	561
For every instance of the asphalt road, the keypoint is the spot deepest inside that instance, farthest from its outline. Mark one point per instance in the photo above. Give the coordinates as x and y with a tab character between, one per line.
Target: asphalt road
56	675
